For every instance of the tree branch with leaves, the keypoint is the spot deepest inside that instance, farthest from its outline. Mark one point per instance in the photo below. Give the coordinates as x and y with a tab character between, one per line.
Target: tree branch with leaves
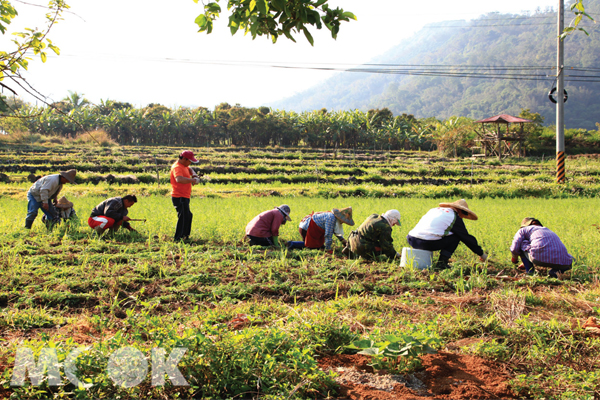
275	18
31	41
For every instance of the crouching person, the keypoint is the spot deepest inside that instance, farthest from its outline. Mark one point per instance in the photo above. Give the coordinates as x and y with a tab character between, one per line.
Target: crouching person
263	230
317	229
374	236
43	194
443	229
540	246
111	214
64	211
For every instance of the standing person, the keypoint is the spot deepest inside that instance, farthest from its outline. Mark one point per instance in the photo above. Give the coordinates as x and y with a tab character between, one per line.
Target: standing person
442	228
111	214
540	246
43	193
317	229
263	230
182	179
374	236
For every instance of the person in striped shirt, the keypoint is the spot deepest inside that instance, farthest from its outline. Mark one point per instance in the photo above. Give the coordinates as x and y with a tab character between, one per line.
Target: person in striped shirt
318	229
537	245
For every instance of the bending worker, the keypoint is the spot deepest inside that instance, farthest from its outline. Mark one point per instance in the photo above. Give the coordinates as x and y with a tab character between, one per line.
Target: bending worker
111	214
43	193
442	228
317	229
540	246
374	236
263	230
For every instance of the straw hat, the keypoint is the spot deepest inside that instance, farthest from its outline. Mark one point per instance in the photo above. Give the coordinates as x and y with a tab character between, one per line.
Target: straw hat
461	205
344	215
69	175
63	203
285	210
530	221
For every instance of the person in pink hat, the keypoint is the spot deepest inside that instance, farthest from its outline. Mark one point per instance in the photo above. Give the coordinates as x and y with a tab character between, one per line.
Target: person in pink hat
182	179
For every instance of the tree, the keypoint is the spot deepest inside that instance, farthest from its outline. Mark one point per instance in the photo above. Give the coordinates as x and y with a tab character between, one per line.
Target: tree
275	18
15	59
76	100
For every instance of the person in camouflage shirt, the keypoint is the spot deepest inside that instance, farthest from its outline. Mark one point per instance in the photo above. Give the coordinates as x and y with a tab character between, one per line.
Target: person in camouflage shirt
374	236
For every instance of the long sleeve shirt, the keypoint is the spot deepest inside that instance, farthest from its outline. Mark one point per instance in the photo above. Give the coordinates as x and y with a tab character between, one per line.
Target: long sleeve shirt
46	188
265	224
377	232
542	245
112	208
444	221
325	220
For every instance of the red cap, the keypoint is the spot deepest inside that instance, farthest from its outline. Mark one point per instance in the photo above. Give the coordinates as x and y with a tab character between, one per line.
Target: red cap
189	155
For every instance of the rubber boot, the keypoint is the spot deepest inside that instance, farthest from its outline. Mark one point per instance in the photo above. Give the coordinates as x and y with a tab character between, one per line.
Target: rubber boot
442	263
29	223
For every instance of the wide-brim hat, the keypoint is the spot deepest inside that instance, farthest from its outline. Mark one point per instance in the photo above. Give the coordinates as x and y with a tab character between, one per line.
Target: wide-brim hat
69	175
530	221
64	203
285	210
344	215
461	205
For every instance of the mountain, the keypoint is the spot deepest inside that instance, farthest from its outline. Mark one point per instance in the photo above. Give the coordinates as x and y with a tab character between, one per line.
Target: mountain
525	42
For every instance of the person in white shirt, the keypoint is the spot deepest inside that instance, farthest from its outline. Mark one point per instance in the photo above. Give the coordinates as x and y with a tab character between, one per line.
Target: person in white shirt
442	229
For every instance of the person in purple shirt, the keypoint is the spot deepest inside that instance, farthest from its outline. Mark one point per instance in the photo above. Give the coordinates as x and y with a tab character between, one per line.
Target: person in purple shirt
537	245
263	230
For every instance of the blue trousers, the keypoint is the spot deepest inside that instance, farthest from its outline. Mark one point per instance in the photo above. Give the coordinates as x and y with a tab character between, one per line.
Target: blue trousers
529	263
33	206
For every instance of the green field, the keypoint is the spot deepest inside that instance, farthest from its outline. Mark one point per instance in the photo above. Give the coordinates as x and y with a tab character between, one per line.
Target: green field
257	322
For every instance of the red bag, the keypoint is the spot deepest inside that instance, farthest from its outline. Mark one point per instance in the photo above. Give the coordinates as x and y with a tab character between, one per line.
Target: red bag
315	235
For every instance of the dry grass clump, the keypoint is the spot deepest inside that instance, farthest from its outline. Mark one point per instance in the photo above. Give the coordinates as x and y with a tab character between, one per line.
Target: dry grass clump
94	138
24	137
508	306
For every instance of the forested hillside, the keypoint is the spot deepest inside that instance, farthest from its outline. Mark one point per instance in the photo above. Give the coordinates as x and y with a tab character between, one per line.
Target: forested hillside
492	40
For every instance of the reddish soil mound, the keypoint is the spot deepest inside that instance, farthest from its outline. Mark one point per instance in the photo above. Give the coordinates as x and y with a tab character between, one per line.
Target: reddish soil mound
444	376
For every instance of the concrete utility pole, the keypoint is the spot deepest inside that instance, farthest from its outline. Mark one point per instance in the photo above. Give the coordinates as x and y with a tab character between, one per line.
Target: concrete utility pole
560	103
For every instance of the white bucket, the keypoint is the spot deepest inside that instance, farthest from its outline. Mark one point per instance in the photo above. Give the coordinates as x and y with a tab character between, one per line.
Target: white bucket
419	259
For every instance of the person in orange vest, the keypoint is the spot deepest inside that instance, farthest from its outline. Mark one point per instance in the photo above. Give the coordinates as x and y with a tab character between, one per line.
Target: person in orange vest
182	179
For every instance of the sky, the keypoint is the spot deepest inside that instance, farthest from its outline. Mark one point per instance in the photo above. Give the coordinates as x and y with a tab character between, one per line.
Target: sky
150	51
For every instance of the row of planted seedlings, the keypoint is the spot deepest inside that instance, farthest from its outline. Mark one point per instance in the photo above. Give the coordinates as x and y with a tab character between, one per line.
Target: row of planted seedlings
255	322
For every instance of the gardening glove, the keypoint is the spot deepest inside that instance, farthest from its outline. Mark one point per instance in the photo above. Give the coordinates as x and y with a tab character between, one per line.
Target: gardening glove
276	241
483	257
514	259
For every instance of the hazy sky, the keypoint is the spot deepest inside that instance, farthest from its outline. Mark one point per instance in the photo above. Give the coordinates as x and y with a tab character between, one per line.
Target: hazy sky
149	51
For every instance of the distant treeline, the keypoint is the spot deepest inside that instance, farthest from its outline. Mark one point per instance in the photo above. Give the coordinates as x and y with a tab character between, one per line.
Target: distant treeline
228	125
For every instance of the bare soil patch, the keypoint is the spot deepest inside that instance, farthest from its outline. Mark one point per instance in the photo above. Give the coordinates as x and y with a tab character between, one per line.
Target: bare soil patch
444	376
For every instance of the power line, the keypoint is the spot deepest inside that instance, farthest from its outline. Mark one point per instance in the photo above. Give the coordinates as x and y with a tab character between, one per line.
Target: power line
513	72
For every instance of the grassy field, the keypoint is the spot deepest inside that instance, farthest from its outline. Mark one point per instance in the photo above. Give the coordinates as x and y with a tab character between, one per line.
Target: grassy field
257	322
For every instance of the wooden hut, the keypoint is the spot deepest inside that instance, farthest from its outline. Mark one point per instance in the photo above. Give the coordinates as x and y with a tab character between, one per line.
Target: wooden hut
494	139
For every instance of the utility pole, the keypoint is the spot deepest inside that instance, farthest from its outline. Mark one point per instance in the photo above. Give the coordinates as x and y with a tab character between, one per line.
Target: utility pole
560	103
